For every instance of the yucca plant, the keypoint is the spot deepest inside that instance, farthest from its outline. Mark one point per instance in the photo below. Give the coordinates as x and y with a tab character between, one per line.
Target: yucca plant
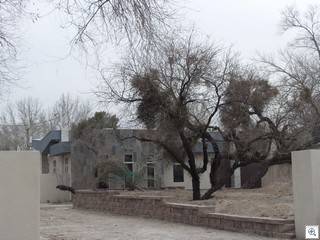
118	171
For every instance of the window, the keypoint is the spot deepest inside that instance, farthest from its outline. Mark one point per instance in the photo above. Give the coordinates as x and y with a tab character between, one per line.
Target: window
178	173
128	161
129	164
150	158
150	171
150	174
66	165
45	165
128	158
54	169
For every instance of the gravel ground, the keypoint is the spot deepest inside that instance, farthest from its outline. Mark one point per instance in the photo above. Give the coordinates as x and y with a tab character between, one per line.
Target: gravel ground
61	222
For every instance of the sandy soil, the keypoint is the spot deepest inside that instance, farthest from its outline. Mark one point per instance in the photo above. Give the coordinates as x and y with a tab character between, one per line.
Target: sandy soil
274	200
65	223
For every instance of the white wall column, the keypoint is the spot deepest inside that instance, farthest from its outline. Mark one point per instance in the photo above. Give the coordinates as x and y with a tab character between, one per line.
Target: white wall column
306	189
20	195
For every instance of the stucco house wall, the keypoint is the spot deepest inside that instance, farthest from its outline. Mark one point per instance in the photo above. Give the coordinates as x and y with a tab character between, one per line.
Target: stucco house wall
55	165
168	175
84	161
49	193
59	174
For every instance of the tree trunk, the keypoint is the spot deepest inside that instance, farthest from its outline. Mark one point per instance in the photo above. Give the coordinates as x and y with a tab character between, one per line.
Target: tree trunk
263	169
66	188
196	187
219	184
215	182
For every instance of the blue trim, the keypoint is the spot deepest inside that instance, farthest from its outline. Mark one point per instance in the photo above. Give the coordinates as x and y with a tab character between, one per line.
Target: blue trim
51	144
60	148
198	148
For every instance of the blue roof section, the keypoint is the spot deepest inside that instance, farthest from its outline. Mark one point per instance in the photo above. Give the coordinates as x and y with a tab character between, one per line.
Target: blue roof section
198	148
51	144
60	148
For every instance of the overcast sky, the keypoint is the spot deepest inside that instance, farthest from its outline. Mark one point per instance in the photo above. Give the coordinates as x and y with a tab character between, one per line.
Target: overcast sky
251	25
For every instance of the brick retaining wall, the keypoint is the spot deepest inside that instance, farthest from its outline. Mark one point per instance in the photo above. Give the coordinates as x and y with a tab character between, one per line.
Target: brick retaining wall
159	208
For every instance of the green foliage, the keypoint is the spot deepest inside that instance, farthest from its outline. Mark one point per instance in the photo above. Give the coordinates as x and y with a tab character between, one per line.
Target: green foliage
117	170
100	120
153	100
246	95
158	107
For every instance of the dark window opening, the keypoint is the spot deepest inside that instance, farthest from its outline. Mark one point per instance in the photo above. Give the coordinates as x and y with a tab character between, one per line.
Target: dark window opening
129	166
128	158
128	161
178	173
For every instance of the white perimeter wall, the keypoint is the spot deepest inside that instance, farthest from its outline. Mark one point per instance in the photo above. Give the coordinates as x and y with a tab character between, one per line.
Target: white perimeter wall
277	173
49	182
49	192
306	189
20	193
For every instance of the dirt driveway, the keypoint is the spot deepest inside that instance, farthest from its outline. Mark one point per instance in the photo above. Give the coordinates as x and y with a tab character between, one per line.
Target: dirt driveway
65	223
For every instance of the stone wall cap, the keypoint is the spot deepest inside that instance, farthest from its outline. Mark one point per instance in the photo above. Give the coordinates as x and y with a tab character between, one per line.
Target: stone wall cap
185	205
97	191
142	197
251	219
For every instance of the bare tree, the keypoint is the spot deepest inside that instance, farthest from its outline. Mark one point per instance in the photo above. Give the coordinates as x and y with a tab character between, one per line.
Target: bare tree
258	124
69	110
167	89
298	67
287	117
307	26
23	120
97	22
11	12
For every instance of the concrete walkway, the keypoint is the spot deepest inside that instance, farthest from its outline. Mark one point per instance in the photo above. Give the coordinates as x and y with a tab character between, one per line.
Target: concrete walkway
61	222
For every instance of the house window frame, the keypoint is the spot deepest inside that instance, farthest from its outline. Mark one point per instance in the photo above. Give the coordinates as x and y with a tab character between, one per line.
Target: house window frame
54	166
66	165
150	164
126	162
176	169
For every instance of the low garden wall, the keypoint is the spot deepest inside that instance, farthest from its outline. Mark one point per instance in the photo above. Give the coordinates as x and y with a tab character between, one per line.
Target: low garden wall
160	208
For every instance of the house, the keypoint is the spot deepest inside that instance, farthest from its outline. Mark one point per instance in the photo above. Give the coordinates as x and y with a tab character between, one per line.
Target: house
137	155
55	165
74	164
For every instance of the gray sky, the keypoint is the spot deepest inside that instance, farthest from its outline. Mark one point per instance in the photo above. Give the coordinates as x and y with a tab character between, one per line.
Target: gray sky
251	25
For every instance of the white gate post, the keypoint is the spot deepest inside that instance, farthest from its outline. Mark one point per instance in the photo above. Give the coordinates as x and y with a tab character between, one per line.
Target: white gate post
20	195
306	189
